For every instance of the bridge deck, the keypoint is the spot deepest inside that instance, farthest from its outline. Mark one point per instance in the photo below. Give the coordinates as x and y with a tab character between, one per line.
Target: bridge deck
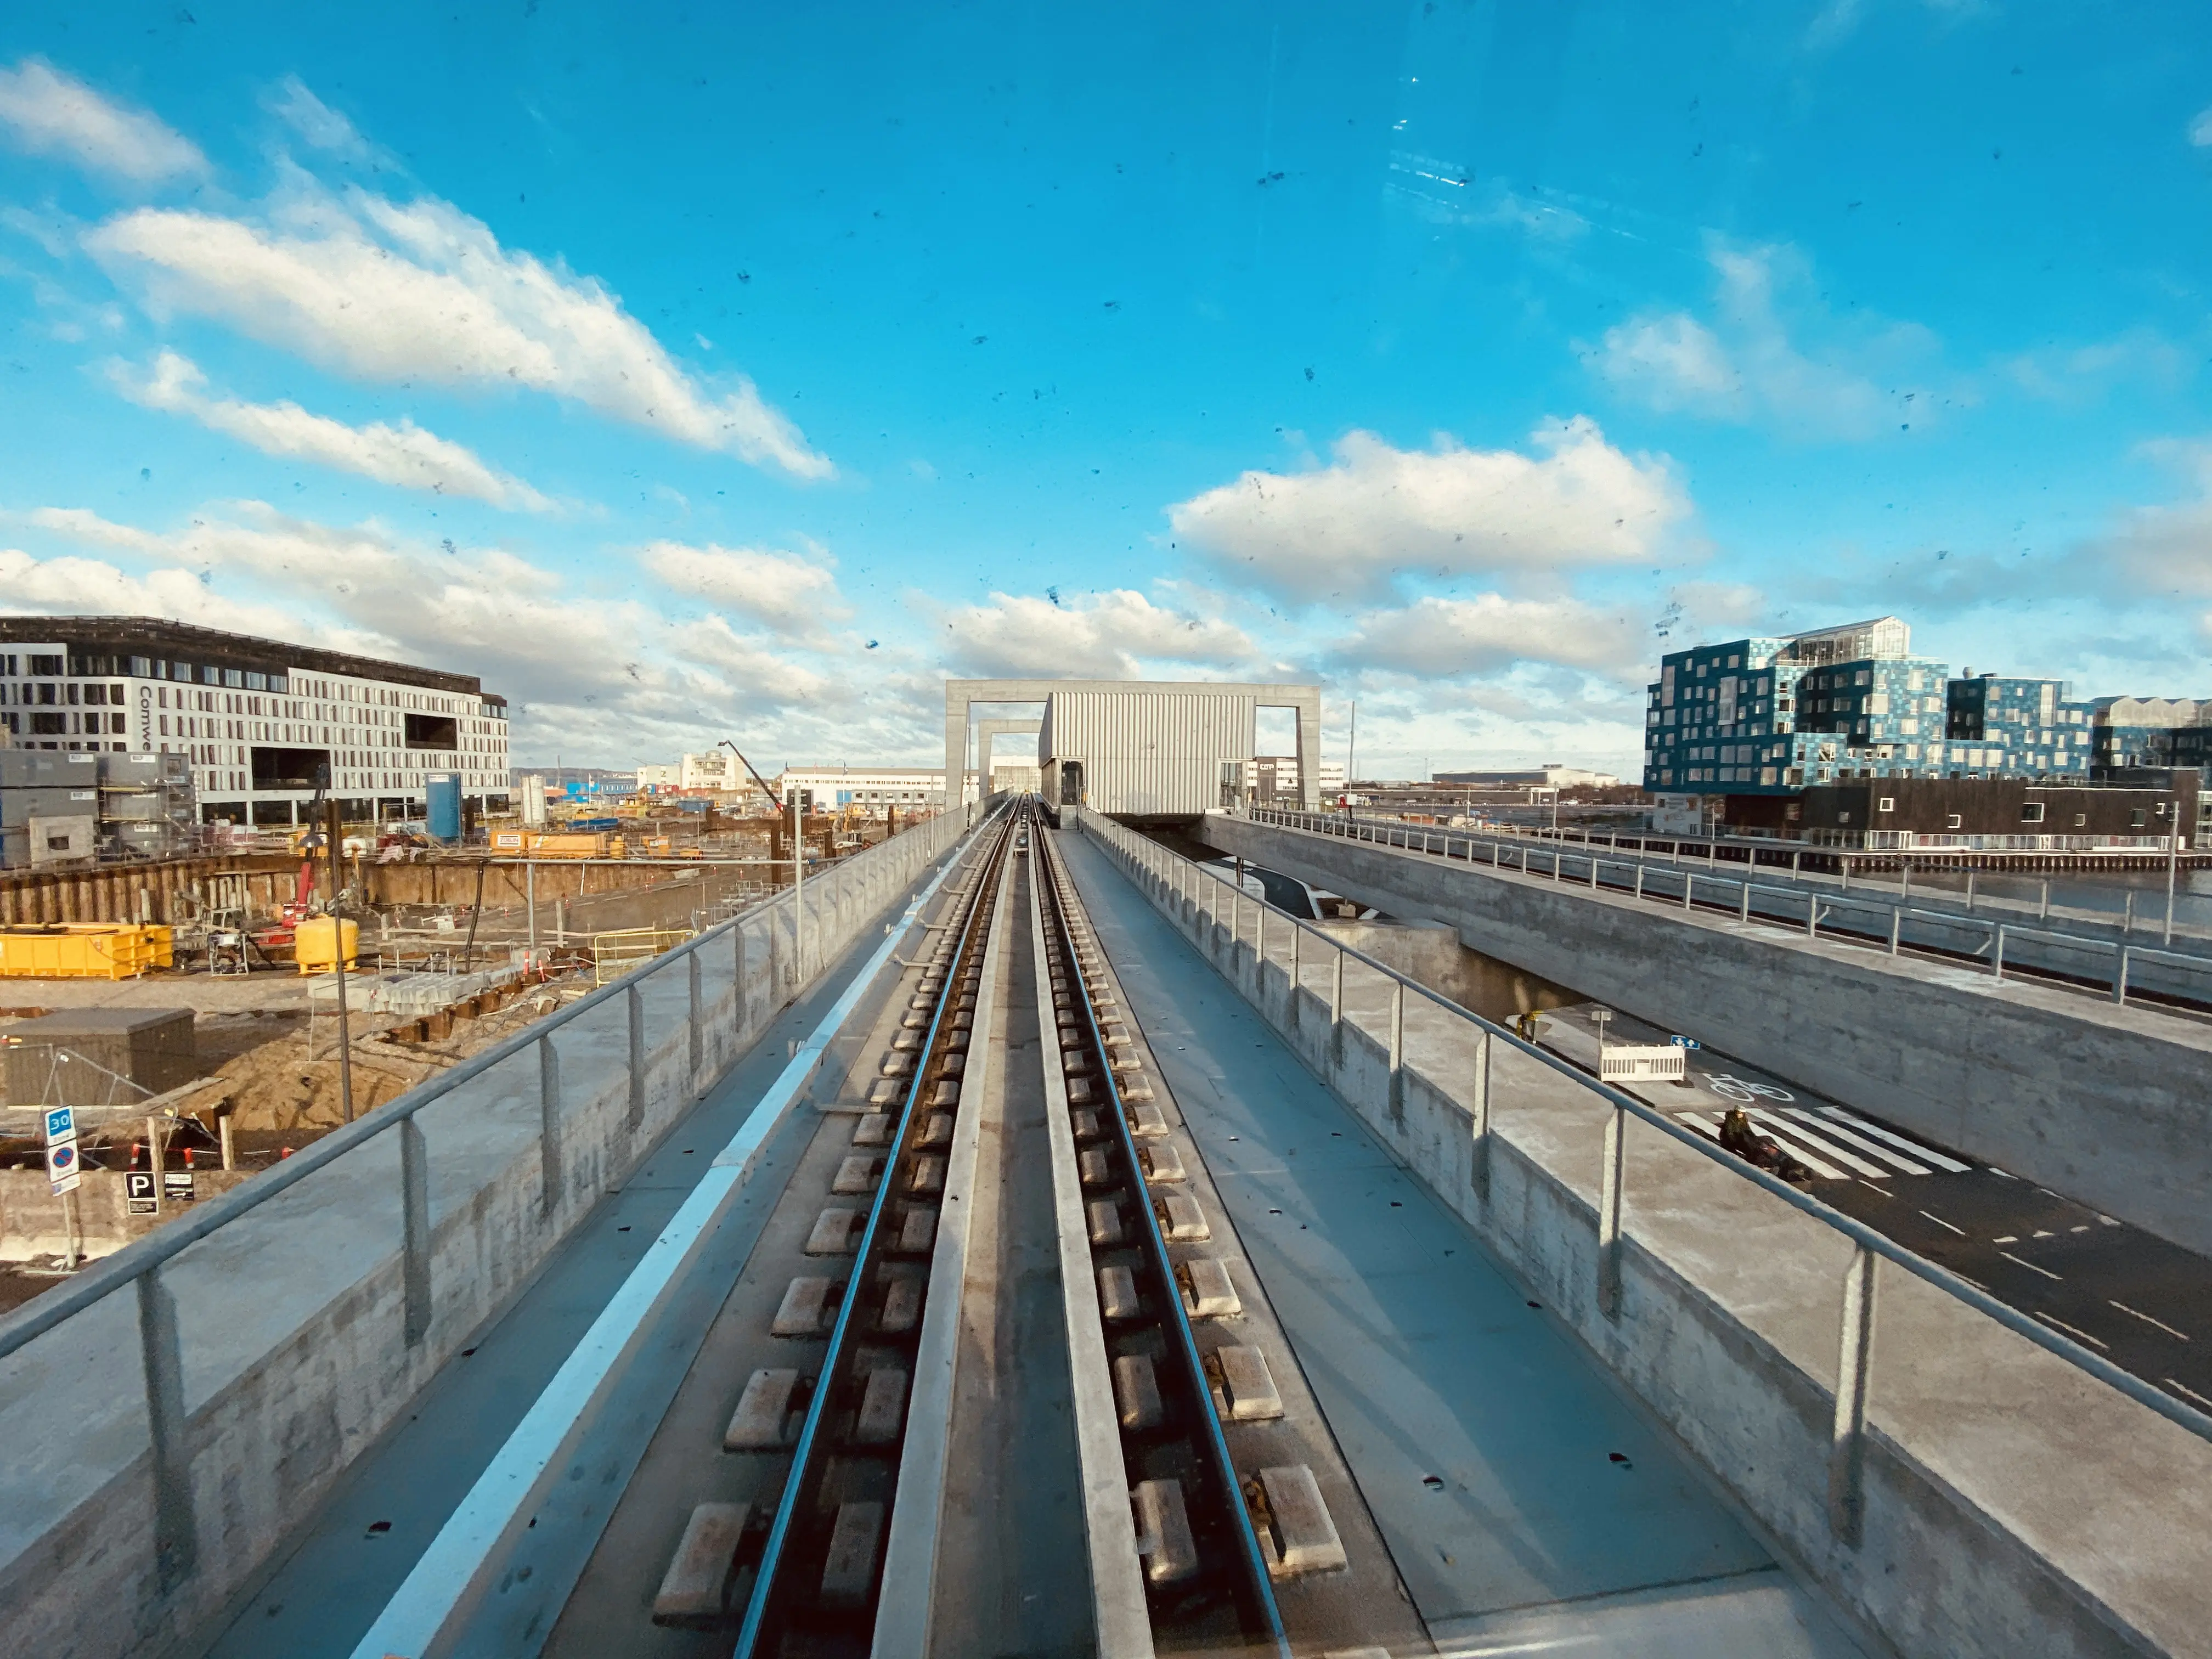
1525	1503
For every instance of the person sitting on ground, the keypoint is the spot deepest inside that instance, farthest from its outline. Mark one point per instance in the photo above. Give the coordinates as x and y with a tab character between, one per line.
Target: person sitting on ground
1759	1150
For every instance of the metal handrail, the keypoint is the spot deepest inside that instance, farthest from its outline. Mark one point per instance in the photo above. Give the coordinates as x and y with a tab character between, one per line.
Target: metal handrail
34	1318
2174	1411
2122	947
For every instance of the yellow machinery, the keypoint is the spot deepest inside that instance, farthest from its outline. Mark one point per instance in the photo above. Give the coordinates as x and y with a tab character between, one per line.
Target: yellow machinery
314	943
83	949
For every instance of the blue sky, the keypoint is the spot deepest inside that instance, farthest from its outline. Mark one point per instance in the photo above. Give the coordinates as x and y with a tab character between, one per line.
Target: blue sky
742	373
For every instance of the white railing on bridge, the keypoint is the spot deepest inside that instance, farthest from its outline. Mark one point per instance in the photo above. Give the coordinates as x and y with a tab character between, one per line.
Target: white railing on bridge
2114	966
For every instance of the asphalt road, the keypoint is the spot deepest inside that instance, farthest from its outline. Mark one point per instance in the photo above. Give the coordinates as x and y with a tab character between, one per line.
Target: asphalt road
2141	1302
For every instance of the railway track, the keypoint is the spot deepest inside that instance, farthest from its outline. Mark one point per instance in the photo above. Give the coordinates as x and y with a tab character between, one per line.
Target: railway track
843	1380
807	1568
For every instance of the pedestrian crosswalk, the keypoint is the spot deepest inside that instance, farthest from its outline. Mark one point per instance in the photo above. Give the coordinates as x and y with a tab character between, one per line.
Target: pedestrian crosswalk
1836	1145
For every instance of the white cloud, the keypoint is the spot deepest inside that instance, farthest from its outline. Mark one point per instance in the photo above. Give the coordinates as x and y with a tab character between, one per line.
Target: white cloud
51	112
1376	512
2200	129
406	455
421	291
1747	367
590	671
784	590
2165	549
1109	635
316	123
1445	638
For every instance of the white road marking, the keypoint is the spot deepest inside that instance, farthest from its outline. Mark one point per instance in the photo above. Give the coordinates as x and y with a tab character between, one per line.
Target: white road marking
1780	1125
2147	1320
2032	1267
1830	1126
2183	1388
1950	1165
2061	1325
1810	1148
1825	1171
1940	1222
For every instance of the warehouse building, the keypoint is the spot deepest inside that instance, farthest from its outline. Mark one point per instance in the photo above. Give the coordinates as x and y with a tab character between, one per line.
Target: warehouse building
255	718
1137	749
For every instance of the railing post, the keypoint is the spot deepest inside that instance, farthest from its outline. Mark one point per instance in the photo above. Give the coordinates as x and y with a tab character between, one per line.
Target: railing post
1259	944
1896	927
636	1004
1854	1374
1336	1007
1640	878
1397	1102
1996	951
176	1534
1608	1215
415	1226
1689	882
2120	977
1743	908
1297	975
691	959
1812	914
548	1123
1480	1171
1593	872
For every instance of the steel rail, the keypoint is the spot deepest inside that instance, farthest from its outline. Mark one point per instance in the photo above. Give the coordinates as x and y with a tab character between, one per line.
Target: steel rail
1259	1586
2023	1325
810	1445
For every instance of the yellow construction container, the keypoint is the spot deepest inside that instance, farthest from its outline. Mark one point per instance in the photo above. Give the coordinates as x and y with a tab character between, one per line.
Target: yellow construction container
570	844
313	943
83	949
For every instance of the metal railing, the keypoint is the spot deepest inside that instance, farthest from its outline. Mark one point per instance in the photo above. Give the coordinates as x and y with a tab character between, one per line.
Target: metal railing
1204	902
797	942
2106	966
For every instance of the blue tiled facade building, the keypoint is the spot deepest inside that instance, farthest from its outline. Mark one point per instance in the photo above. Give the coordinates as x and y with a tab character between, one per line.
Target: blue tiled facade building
1772	716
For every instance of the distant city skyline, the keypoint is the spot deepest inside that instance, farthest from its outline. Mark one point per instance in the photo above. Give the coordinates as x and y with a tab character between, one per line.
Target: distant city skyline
744	375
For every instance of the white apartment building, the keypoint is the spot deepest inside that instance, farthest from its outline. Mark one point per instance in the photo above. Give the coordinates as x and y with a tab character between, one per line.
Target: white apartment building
1273	777
869	787
258	717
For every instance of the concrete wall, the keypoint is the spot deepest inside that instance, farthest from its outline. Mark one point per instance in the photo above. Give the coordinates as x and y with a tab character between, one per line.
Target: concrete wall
1430	952
2014	1506
292	1316
2107	1104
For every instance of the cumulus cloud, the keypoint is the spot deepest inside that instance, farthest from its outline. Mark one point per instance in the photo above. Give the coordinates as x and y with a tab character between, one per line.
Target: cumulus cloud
587	671
1109	635
406	455
2200	129
780	589
389	291
1376	512
1744	365
1446	637
48	112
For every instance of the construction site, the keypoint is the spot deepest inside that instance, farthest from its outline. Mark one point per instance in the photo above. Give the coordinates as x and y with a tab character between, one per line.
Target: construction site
190	1012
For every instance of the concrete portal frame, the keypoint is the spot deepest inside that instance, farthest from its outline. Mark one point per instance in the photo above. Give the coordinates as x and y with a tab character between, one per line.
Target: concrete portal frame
986	730
1304	701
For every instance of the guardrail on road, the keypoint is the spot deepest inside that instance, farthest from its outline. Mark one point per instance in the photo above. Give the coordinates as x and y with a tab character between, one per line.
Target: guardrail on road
2116	967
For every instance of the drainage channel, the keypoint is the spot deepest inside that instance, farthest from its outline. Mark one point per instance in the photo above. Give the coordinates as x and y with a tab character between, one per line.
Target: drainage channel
1222	1515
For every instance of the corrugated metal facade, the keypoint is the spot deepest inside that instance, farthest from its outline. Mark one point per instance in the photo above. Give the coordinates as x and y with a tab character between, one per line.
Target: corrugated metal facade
1149	754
